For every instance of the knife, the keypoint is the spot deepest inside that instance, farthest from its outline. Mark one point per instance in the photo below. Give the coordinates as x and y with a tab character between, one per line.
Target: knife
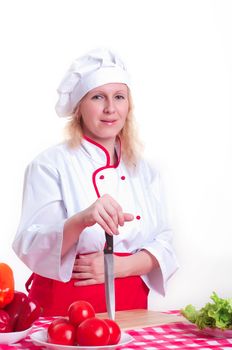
109	275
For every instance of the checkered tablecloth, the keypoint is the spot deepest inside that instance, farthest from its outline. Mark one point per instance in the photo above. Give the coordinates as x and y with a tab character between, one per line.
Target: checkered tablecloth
175	336
167	337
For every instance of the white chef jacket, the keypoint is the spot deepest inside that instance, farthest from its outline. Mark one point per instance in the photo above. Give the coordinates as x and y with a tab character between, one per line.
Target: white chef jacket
61	182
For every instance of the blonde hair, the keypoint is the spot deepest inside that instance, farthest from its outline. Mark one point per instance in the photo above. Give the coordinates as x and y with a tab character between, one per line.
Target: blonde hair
131	146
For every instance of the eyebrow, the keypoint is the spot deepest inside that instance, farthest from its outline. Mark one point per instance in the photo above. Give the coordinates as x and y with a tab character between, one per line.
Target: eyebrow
104	92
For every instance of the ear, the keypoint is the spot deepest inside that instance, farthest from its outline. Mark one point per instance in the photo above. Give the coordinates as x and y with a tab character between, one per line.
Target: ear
77	113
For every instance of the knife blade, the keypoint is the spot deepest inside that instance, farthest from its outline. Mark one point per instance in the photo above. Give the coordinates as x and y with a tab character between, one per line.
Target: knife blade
109	275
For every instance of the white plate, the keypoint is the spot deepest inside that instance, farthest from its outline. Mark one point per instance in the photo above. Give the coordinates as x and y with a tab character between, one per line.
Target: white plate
40	338
13	337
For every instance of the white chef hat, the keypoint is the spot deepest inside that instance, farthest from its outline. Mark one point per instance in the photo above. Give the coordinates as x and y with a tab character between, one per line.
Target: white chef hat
96	68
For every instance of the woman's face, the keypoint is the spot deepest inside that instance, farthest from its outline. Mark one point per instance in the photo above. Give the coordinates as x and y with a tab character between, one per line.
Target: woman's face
103	111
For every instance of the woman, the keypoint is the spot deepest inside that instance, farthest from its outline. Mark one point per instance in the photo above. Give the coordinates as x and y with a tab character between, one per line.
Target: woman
94	182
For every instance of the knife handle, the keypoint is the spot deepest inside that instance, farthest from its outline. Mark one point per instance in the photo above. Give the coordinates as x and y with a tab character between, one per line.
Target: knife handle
109	246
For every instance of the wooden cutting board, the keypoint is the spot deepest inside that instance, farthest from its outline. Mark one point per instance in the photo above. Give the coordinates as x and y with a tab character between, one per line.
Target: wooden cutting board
139	318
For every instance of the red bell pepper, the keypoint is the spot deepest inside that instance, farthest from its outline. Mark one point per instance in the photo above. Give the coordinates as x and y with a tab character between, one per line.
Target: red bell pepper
4	322
6	285
23	311
15	307
30	312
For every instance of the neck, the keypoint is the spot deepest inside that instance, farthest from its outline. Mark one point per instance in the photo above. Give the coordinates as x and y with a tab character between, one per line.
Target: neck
109	145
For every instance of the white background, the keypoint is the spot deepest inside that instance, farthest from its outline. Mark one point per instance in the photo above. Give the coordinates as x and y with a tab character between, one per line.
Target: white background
179	54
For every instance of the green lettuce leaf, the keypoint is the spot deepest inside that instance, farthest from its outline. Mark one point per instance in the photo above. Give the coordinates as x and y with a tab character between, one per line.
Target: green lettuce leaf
215	315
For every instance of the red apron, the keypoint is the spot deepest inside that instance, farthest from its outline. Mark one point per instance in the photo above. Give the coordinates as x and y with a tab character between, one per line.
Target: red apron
55	296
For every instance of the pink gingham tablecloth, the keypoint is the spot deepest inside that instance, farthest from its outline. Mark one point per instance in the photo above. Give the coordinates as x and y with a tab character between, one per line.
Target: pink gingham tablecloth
171	336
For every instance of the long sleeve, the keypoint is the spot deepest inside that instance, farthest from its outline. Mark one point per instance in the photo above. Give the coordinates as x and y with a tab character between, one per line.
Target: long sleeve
161	244
39	237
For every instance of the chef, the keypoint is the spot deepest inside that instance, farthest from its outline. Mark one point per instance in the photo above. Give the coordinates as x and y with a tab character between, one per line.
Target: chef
94	181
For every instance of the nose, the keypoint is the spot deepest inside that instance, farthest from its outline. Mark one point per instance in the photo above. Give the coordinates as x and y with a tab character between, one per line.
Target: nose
109	107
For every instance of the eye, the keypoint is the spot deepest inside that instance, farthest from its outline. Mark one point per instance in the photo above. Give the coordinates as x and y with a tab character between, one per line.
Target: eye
97	97
120	97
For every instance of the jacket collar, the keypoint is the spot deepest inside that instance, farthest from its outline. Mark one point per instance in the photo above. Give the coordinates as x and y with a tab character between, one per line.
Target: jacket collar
98	153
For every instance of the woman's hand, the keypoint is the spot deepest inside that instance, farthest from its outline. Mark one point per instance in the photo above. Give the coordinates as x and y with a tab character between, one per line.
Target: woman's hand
89	269
106	212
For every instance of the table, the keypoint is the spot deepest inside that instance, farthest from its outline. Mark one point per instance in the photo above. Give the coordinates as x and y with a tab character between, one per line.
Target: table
151	330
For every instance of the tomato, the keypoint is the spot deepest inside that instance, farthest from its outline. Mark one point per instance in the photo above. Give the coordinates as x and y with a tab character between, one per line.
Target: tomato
115	331
93	332
61	331
5	326
79	311
59	320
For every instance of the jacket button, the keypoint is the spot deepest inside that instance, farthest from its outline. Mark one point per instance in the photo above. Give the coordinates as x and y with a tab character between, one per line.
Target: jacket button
123	177
101	177
138	217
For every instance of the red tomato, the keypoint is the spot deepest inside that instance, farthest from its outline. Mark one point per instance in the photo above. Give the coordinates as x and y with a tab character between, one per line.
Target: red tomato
115	331
5	325
79	311
93	332
61	331
58	320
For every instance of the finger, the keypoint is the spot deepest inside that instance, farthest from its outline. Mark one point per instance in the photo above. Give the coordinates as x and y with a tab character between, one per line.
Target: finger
81	268
86	259
128	217
110	229
87	282
113	209
111	212
120	216
98	218
82	261
82	275
107	223
89	255
76	260
121	219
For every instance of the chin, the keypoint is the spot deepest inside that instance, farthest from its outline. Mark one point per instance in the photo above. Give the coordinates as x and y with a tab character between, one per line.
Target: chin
108	134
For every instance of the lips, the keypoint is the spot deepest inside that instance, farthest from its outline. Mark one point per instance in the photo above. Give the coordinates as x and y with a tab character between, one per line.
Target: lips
108	122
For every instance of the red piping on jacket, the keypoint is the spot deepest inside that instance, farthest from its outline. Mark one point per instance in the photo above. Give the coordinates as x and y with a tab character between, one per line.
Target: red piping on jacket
107	166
